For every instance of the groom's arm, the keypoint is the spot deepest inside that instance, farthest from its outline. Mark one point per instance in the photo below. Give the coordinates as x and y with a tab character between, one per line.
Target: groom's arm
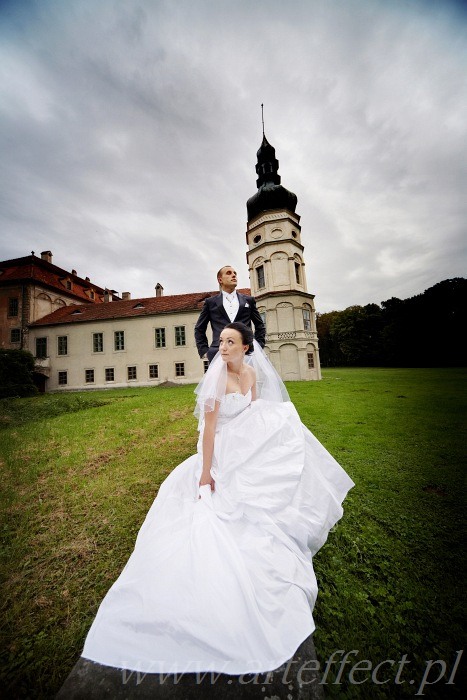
201	338
260	328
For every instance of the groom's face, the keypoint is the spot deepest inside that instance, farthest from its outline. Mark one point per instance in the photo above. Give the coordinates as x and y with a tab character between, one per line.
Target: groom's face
228	278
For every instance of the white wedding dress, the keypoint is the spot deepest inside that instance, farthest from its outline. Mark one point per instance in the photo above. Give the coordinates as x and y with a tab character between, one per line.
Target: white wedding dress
224	582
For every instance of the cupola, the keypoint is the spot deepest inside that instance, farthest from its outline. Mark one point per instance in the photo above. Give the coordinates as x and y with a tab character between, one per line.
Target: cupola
271	194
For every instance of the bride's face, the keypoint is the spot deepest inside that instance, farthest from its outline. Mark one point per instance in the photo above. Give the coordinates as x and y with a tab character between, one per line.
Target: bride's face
231	345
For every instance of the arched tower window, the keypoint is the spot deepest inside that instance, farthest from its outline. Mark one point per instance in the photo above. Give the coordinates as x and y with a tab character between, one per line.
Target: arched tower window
260	279
297	272
306	311
310	356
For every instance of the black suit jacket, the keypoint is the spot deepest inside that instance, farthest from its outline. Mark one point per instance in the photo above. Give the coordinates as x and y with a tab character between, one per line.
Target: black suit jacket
213	312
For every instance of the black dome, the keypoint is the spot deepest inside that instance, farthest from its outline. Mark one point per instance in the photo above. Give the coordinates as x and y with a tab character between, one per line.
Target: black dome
270	194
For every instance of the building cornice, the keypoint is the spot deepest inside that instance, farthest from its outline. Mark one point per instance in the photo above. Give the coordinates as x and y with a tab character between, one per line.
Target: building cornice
278	215
285	294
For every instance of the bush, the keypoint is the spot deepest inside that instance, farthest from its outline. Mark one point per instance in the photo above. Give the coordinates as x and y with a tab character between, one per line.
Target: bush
16	373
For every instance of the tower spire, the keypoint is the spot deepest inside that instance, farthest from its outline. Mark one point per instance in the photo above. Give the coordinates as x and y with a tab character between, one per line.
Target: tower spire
270	194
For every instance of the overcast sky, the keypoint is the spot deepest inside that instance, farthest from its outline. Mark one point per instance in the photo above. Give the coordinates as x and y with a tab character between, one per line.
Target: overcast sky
129	131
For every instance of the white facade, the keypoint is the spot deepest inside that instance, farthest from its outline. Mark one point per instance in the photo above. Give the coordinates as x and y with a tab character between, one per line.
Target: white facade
278	282
135	351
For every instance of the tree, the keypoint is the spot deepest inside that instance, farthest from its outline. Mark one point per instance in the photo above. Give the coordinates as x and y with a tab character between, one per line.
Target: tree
329	353
422	331
16	373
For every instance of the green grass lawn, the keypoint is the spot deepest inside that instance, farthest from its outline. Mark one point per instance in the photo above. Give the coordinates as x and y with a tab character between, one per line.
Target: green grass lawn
79	472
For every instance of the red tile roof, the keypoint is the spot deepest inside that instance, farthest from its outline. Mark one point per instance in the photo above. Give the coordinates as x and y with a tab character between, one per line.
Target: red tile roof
128	308
32	269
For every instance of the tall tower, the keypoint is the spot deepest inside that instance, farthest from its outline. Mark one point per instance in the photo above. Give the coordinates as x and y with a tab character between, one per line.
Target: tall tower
277	273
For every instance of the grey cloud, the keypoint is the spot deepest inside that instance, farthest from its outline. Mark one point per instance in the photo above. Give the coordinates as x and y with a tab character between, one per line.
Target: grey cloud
130	134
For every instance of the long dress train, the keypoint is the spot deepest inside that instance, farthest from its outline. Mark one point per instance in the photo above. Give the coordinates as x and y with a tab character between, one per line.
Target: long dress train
225	582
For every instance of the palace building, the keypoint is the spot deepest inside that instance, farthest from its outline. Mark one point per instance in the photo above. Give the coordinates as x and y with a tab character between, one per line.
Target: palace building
85	336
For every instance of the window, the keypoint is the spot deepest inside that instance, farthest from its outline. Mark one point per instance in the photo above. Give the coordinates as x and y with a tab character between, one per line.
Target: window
159	337
297	272
306	319
109	374
98	342
257	239
263	317
131	373
15	335
205	365
13	306
179	369
41	347
68	284
89	376
62	378
62	345
119	340
260	276
153	371
311	360
180	338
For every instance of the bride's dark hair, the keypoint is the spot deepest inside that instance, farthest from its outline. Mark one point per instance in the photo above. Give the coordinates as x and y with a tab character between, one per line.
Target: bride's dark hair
245	332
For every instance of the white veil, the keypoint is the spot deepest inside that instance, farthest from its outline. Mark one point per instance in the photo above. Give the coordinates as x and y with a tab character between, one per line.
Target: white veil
211	388
269	386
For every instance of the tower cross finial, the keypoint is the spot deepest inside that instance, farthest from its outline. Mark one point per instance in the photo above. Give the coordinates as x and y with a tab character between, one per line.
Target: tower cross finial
262	116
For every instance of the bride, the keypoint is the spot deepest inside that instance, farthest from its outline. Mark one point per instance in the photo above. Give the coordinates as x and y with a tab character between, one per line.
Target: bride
221	577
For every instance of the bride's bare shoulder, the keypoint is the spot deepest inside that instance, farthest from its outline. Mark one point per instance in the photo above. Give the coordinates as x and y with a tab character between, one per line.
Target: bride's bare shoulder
251	373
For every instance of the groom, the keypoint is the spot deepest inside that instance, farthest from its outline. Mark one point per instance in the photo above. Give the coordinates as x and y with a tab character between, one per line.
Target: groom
224	308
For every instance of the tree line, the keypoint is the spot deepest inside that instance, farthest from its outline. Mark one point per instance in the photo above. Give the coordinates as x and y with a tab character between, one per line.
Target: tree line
426	330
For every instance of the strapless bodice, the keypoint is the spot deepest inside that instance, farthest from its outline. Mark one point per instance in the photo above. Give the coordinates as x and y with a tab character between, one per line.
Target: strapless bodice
232	404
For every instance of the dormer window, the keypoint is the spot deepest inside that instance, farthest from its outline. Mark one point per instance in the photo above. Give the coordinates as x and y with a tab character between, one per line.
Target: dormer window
138	306
75	313
67	283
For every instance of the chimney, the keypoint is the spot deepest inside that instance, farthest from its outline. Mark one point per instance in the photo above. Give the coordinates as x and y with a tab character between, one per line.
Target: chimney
107	295
159	290
46	255
73	272
126	296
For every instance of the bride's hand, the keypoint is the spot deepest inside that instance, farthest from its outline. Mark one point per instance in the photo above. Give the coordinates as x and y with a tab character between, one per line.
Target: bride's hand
207	479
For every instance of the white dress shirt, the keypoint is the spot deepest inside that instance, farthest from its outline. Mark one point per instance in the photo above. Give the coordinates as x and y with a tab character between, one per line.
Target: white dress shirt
231	304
